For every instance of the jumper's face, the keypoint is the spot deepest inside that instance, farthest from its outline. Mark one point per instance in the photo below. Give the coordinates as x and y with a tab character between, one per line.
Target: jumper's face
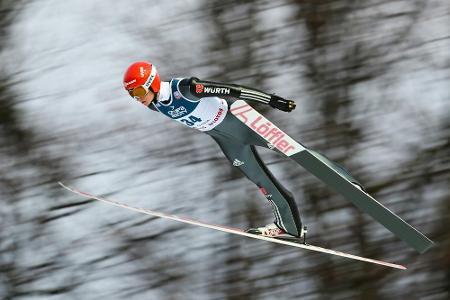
148	98
142	94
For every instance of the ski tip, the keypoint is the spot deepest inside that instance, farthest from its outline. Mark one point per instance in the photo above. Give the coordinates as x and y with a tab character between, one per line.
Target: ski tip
65	186
62	185
396	266
393	265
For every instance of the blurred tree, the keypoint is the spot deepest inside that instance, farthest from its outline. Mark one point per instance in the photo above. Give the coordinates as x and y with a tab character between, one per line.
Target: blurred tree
27	171
338	59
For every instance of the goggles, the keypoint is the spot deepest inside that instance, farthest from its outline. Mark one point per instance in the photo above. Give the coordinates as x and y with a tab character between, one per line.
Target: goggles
138	92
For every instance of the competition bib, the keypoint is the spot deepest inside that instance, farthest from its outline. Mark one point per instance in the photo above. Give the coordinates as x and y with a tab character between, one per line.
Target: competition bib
202	114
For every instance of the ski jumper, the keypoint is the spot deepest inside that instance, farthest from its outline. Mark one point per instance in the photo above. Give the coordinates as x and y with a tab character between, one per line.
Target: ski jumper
203	105
220	110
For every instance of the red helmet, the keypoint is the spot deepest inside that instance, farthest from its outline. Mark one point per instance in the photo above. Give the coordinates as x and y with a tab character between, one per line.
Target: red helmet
142	74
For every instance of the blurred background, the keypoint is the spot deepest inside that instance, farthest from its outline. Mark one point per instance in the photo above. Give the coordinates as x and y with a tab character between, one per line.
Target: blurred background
372	84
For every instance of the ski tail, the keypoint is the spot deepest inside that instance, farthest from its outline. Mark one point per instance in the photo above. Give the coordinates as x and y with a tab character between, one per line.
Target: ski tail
330	175
232	230
364	202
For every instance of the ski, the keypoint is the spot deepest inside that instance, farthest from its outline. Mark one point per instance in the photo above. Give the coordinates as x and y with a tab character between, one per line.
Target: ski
330	173
231	230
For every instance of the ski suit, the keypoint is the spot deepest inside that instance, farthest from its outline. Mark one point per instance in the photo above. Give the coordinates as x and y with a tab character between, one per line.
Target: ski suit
203	105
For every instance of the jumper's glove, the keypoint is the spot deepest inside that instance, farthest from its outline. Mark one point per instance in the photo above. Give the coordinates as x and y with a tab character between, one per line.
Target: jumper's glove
281	104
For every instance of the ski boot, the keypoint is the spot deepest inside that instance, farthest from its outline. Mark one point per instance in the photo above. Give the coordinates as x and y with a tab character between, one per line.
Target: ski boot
273	231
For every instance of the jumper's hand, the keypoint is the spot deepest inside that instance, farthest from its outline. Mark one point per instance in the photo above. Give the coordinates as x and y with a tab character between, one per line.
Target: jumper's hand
282	104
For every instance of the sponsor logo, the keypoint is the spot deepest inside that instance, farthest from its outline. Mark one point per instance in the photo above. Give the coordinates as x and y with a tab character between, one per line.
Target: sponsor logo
273	232
219	114
199	88
217	117
177	95
272	133
266	129
142	71
217	90
130	82
180	111
211	122
271	146
150	80
237	163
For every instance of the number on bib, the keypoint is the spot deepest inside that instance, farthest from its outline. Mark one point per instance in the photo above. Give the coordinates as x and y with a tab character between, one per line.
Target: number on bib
192	120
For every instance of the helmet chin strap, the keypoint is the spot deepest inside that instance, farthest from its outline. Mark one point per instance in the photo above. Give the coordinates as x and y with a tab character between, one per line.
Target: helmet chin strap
155	98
